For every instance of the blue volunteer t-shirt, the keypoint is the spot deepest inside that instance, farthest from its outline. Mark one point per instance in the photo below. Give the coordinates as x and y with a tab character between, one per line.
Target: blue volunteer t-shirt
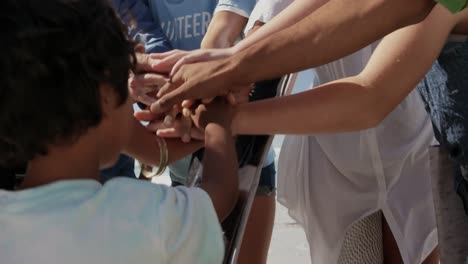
142	26
185	22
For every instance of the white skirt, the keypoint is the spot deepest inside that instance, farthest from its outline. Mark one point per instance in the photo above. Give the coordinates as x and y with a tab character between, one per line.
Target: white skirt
329	182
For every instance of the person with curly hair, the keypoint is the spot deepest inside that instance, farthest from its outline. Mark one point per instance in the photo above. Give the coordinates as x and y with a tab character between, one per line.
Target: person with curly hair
64	104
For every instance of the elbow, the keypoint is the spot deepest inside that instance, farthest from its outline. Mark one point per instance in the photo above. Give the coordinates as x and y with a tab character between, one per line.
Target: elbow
372	109
377	109
365	118
373	119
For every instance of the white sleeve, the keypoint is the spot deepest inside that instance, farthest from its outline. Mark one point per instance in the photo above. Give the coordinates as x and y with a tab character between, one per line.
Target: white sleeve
265	10
240	7
192	230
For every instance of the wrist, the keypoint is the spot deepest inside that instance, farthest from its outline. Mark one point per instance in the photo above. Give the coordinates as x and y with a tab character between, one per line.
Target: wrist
215	132
234	73
242	67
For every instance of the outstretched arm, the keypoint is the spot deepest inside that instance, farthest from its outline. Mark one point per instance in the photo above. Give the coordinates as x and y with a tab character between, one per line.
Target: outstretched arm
358	102
224	29
294	10
336	29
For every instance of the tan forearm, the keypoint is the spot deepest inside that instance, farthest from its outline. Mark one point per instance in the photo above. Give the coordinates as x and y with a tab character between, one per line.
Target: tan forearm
224	29
358	102
338	28
334	107
293	13
220	178
144	147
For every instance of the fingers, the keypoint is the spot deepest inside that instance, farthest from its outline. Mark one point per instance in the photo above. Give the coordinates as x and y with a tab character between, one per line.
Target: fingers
156	125
177	130
173	88
186	122
196	134
143	98
168	100
144	62
188	103
160	56
165	63
207	100
178	64
171	116
166	88
179	127
172	94
148	80
142	84
192	57
168	133
146	116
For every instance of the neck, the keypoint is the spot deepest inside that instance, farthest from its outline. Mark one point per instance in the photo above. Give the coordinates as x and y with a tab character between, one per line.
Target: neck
77	161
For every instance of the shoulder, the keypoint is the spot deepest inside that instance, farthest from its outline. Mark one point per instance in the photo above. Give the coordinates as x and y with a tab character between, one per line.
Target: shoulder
166	208
138	189
183	220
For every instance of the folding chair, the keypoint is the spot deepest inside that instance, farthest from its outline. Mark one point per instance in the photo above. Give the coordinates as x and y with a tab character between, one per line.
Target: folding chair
249	177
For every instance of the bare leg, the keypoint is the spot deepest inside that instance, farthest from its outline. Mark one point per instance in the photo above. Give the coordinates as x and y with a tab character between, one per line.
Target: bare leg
256	242
390	248
433	258
392	253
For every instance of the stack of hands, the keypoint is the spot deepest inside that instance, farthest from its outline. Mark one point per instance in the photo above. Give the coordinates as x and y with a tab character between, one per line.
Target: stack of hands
172	110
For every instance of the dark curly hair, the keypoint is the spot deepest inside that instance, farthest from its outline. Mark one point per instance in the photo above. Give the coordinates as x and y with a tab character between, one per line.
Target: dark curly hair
54	54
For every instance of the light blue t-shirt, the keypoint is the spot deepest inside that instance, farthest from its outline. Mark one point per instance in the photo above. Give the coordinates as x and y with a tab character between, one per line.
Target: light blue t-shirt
121	222
185	22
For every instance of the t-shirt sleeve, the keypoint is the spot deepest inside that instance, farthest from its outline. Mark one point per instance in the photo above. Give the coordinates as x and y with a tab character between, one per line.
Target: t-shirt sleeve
192	230
266	10
143	27
240	7
454	5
